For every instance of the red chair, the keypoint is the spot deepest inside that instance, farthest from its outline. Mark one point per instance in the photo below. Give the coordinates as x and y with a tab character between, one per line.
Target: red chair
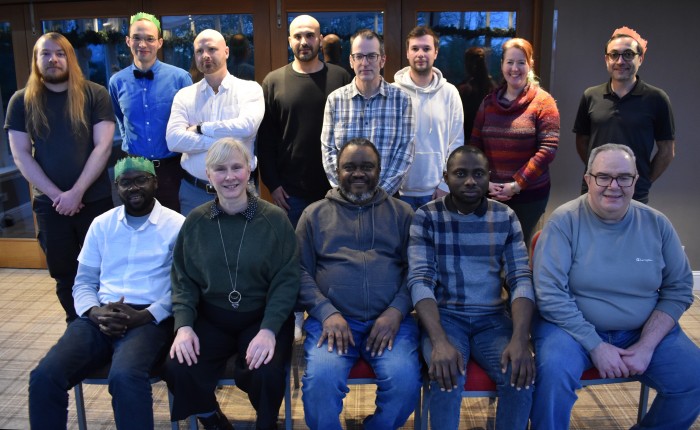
362	373
479	384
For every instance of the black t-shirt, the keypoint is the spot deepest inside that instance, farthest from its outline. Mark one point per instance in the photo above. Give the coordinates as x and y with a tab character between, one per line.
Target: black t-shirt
61	153
289	138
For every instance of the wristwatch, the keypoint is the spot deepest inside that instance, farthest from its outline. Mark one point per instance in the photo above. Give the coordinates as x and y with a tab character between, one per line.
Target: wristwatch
199	128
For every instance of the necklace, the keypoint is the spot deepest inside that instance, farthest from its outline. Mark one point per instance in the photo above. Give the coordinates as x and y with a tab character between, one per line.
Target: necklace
234	297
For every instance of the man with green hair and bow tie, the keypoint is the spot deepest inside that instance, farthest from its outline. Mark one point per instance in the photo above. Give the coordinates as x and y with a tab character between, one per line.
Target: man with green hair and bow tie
142	95
122	298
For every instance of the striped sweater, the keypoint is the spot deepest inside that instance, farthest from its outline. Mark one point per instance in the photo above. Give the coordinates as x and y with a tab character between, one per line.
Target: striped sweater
457	259
519	140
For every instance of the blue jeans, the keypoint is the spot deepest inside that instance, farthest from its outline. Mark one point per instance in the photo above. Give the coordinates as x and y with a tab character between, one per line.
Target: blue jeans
325	379
674	371
296	207
191	197
416	202
483	338
82	349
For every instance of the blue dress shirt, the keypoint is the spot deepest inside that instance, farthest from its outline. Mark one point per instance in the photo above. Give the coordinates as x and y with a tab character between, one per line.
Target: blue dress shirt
142	108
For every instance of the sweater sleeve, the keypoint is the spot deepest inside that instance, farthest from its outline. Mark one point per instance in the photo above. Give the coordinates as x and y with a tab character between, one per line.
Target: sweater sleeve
185	291
310	296
402	299
422	275
284	284
555	302
516	265
676	291
547	129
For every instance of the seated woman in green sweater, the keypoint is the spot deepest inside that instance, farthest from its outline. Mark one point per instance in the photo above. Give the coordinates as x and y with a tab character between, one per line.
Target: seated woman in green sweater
235	280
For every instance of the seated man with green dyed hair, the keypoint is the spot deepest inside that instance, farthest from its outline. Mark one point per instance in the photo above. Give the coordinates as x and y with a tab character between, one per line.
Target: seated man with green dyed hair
122	298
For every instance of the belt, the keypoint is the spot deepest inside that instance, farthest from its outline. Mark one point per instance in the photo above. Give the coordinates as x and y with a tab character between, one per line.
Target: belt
162	161
199	183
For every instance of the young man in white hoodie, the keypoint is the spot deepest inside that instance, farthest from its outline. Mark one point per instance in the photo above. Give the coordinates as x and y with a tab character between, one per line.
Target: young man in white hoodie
438	114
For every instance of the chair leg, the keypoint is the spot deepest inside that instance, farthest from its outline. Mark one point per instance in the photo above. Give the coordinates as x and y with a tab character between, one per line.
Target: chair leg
643	402
174	425
417	413
80	406
288	403
425	406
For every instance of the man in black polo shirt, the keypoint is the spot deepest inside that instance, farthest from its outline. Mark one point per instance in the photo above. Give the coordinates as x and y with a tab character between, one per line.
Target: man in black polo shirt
628	111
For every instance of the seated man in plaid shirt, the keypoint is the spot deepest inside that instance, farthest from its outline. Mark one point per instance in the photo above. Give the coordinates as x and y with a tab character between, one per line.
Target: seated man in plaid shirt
459	246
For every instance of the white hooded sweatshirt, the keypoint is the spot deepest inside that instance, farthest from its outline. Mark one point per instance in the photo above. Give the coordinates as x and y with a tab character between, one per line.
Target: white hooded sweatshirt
439	119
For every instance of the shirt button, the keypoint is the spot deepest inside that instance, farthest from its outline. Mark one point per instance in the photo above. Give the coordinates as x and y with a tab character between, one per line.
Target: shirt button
149	139
148	123
145	105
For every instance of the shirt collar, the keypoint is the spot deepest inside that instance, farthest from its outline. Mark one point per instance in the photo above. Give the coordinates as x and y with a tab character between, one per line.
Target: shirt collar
480	210
153	217
355	92
248	213
154	67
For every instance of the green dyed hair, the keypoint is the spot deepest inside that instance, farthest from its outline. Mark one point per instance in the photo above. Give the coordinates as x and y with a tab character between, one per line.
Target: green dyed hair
128	164
148	17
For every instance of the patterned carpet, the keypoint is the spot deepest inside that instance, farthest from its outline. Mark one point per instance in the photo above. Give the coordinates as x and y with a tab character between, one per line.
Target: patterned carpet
30	323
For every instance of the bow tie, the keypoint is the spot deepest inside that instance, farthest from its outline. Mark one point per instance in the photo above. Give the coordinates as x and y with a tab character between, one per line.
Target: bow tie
140	75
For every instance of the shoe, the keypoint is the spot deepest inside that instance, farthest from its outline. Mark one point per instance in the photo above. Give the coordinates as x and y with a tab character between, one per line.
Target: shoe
217	421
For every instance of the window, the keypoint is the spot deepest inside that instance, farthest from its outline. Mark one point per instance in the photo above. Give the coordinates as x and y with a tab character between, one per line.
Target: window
460	31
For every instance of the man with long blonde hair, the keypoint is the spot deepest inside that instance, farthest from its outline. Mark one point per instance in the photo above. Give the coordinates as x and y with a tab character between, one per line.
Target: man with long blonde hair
60	128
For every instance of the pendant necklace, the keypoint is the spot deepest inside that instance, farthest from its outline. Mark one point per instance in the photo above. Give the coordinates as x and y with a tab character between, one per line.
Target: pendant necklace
234	297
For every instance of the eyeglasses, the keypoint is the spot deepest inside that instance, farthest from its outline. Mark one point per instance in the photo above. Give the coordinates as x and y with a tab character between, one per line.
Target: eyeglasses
371	57
139	181
623	181
627	55
149	39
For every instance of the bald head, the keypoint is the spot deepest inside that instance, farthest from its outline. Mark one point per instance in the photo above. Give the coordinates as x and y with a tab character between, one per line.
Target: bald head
210	52
305	41
306	21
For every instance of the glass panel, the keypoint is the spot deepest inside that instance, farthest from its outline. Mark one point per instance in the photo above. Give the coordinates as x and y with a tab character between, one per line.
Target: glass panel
460	31
16	218
343	25
179	33
99	44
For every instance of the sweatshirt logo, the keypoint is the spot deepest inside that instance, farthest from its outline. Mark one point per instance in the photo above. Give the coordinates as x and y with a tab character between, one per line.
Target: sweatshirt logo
644	260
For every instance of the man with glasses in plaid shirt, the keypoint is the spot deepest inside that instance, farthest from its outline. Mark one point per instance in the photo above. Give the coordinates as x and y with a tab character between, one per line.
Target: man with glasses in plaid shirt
629	111
369	107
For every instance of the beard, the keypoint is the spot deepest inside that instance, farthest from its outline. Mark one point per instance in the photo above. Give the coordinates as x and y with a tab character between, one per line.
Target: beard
306	57
357	198
57	78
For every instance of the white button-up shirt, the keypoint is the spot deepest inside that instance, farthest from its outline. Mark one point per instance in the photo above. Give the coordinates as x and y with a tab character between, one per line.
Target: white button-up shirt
236	110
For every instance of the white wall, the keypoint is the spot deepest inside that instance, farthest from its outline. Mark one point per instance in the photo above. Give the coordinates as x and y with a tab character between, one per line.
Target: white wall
672	63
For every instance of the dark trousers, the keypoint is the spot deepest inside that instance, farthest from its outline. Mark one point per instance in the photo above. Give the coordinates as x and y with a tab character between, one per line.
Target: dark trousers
61	237
224	333
83	349
169	173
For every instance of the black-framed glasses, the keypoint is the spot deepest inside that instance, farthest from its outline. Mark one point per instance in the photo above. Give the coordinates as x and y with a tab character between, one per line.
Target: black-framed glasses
148	39
139	181
628	55
371	57
623	181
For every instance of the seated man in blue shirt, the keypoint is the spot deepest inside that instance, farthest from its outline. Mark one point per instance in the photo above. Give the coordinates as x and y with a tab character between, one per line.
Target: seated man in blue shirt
122	295
612	280
142	96
460	245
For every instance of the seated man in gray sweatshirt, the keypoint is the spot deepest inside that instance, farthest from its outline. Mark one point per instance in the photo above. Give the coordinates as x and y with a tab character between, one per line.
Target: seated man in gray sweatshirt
611	281
353	286
460	245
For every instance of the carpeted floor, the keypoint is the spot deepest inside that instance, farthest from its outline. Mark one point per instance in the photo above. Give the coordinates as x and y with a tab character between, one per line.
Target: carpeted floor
31	322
